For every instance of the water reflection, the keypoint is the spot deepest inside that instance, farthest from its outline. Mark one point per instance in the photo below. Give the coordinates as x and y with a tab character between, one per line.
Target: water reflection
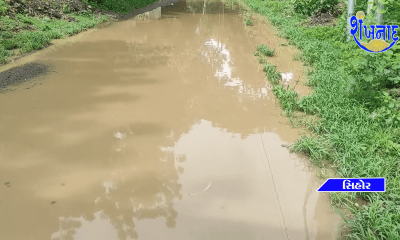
99	137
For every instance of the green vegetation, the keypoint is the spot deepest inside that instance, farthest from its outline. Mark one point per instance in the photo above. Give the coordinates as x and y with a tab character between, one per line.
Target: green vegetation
309	7
65	8
121	6
264	50
271	73
3	7
354	107
248	22
17	33
24	33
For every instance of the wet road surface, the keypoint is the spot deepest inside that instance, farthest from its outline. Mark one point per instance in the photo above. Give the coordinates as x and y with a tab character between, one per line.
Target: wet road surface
159	129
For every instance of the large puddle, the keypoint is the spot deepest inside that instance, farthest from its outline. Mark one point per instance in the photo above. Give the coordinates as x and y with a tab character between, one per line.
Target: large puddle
156	129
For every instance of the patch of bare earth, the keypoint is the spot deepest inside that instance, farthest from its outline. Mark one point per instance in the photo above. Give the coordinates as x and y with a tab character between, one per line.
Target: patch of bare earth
54	9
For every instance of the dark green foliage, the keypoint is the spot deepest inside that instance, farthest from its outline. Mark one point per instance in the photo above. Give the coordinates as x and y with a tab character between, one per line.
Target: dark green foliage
271	73
264	50
3	7
309	7
121	6
288	98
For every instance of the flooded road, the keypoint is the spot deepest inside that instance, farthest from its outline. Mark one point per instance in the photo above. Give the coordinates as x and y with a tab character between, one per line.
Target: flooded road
156	129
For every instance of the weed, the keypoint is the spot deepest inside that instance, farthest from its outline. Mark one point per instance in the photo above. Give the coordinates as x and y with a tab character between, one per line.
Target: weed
264	50
271	73
248	22
288	98
65	8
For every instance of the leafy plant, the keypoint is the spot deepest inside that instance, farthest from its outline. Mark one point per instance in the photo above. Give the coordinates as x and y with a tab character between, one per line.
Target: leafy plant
309	7
271	73
264	50
66	8
288	98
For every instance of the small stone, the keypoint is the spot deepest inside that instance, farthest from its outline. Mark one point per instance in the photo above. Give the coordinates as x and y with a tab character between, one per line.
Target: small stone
7	184
53	202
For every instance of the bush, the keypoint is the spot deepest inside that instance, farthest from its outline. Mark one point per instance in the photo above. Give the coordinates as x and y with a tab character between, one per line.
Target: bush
309	7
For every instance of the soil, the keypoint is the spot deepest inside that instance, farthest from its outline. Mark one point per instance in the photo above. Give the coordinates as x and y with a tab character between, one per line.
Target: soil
326	18
321	19
22	73
54	9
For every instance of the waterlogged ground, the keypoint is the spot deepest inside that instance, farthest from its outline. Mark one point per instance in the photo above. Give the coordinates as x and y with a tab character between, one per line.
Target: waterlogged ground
160	129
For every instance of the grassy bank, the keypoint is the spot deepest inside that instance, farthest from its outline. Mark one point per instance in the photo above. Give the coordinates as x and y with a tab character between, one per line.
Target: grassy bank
21	33
355	100
34	33
120	6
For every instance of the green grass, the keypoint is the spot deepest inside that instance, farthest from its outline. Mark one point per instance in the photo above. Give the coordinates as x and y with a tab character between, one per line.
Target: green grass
3	7
248	22
271	73
264	50
15	33
121	6
356	103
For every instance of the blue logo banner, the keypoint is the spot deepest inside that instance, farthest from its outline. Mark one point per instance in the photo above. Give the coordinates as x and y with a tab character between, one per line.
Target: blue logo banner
353	185
383	37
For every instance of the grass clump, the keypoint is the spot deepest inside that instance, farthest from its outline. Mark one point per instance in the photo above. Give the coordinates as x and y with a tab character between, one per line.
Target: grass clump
357	106
272	74
264	50
248	22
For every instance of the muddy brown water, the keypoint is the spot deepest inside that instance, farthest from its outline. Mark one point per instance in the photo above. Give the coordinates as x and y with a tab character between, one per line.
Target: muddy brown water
156	129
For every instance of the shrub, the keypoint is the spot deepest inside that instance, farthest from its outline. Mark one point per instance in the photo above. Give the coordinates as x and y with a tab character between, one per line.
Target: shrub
309	7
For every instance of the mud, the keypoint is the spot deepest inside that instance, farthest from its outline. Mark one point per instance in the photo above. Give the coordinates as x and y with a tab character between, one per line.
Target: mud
155	129
22	73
